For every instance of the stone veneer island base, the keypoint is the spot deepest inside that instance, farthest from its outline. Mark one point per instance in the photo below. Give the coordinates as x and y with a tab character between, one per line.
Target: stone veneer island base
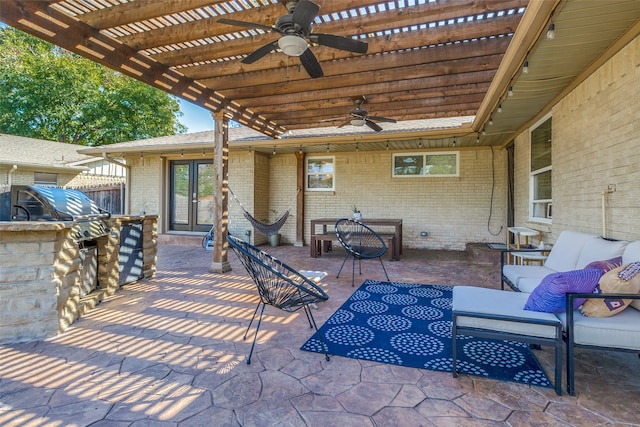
41	274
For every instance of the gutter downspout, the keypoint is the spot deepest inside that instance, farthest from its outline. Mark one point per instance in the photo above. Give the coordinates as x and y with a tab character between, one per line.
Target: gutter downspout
127	199
610	189
9	177
604	214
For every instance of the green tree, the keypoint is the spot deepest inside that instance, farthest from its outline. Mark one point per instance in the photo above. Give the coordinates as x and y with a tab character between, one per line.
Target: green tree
49	93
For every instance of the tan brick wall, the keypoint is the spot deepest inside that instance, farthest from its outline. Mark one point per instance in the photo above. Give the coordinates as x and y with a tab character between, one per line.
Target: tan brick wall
146	184
241	181
454	211
596	142
283	188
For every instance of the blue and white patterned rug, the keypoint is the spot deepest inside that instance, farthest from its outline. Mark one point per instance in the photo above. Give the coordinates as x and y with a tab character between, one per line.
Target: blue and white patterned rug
410	325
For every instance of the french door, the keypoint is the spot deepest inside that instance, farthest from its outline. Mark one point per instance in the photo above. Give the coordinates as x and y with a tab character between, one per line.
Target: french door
191	195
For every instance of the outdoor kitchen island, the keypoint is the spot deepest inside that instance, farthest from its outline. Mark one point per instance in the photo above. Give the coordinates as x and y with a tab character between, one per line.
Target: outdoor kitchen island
43	275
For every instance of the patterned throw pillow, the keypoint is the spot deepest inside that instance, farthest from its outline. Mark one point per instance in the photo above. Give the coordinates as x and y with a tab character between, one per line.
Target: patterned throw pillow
605	266
549	296
621	280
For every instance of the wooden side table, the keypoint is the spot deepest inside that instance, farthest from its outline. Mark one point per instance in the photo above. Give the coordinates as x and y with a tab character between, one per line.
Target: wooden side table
524	258
519	232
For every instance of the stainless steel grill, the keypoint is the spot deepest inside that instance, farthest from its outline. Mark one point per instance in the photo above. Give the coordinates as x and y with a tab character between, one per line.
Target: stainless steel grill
29	203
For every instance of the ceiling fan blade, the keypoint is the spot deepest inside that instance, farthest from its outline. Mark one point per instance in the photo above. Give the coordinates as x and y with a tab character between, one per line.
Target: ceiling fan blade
311	64
333	119
382	119
372	125
246	24
304	13
339	42
260	52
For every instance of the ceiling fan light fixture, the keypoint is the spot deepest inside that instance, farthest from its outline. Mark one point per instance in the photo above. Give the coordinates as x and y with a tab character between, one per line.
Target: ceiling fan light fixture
292	45
357	122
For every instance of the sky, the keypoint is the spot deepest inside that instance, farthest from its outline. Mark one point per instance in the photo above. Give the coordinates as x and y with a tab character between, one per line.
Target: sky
195	118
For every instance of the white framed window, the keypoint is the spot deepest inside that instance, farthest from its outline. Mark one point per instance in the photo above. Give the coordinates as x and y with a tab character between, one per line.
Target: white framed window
320	175
45	179
541	172
440	164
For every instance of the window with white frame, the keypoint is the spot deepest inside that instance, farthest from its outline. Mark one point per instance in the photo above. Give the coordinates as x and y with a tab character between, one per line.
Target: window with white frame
45	179
320	173
540	184
407	165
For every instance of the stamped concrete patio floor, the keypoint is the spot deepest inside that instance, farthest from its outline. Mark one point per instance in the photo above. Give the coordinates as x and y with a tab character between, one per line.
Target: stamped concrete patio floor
168	351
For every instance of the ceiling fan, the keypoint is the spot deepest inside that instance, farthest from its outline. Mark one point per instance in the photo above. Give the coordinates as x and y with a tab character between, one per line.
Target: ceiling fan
360	117
295	28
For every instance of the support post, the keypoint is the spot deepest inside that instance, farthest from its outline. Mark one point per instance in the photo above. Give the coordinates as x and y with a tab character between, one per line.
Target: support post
300	177
220	264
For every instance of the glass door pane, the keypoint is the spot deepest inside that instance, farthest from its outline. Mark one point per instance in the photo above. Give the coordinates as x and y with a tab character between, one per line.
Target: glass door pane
204	196
180	192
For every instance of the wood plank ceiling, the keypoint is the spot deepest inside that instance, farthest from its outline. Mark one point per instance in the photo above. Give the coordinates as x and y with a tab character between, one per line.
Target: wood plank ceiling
425	59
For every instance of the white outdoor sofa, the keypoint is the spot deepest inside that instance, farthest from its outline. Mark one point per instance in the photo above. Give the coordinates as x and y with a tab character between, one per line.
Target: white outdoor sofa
572	251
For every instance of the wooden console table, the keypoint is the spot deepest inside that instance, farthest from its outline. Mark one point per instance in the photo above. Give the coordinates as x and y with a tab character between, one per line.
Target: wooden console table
321	238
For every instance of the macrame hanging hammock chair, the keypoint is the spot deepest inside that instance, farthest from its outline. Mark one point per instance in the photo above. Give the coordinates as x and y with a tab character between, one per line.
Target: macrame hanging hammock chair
264	228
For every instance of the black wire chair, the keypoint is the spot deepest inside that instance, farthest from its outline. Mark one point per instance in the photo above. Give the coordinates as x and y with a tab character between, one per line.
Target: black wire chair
278	285
360	242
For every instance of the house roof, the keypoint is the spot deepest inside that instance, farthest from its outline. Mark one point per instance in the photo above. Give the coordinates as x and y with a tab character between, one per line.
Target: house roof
425	58
39	153
313	140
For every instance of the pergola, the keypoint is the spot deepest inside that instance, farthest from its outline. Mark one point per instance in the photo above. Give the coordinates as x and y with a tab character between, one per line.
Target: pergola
489	60
424	58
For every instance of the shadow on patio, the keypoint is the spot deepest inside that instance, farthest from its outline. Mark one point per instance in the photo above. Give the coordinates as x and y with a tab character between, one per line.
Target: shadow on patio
169	351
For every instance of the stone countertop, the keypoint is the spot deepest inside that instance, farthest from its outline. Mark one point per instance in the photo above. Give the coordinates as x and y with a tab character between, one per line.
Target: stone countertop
132	217
35	225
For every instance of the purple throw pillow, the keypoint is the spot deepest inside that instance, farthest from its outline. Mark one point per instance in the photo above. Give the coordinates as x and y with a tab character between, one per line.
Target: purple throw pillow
606	265
549	296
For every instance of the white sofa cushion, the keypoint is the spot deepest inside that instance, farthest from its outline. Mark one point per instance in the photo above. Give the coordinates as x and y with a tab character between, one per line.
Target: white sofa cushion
528	284
619	331
494	302
631	252
600	250
566	250
528	276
